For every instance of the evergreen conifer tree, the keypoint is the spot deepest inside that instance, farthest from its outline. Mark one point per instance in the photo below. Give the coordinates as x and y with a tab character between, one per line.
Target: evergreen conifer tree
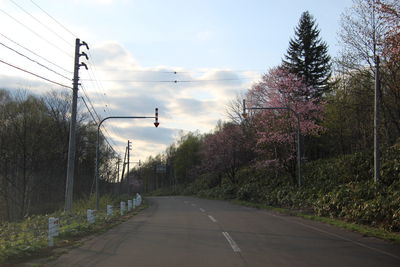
307	56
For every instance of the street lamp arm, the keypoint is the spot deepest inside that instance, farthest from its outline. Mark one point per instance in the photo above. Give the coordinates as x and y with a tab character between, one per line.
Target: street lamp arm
156	123
298	132
125	117
287	108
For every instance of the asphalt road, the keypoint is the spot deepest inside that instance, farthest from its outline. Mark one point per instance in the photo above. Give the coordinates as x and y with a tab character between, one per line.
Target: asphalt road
184	231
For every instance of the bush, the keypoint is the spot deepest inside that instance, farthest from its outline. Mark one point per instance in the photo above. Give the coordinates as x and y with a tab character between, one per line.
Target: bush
27	237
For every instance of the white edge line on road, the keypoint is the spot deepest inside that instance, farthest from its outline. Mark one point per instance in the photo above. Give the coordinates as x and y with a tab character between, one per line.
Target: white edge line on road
212	218
202	210
231	242
194	205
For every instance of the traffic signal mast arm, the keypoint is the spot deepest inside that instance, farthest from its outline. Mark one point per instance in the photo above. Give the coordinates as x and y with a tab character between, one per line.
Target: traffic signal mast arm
156	123
244	114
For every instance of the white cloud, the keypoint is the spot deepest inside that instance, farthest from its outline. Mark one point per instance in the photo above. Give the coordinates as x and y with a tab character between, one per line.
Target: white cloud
125	88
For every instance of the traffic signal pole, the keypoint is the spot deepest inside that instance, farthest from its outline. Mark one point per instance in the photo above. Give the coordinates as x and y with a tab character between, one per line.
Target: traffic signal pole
156	123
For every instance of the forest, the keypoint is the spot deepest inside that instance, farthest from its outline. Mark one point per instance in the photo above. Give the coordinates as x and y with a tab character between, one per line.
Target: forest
251	156
34	149
331	101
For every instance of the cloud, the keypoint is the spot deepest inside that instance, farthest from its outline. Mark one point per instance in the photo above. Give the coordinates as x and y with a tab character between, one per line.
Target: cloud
34	86
191	106
118	85
111	54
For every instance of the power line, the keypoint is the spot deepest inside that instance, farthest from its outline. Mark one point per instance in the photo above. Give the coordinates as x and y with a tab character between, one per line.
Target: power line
96	83
172	81
29	50
40	64
56	21
36	75
178	72
103	95
91	114
41	23
97	115
38	35
90	102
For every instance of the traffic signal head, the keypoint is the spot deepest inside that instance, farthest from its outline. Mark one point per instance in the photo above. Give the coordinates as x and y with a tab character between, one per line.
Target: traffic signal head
156	123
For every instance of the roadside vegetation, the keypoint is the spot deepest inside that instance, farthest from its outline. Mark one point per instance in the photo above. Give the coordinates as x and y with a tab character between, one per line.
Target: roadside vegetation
249	158
253	158
28	238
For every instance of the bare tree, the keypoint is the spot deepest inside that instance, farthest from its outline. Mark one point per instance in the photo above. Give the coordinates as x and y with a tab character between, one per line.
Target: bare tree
362	35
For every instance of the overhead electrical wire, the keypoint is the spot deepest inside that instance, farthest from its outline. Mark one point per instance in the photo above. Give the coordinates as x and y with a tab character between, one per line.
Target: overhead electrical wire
172	81
97	115
90	102
41	23
35	33
177	72
91	114
92	65
96	84
44	66
56	21
38	63
34	53
87	107
34	74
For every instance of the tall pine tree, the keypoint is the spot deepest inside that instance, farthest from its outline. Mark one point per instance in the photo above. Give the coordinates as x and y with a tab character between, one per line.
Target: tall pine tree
307	56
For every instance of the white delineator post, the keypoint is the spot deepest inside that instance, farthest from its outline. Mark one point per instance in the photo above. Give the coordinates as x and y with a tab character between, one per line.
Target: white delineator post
53	230
134	203
129	204
123	207
91	216
109	210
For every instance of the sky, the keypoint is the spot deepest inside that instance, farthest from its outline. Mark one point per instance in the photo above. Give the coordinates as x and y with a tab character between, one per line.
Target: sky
214	49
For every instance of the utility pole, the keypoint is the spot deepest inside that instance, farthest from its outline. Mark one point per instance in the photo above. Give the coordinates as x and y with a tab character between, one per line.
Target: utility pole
72	146
123	172
377	123
118	163
127	172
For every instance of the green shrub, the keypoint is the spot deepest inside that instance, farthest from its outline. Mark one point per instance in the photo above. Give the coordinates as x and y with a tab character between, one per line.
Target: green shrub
27	237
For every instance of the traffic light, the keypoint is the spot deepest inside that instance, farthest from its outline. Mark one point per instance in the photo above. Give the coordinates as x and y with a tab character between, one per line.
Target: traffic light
156	123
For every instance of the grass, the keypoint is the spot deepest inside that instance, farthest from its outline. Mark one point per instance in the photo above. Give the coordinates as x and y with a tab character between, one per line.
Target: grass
362	229
27	240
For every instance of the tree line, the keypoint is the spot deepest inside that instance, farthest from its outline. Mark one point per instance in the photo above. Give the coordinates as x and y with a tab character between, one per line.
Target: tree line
34	132
330	100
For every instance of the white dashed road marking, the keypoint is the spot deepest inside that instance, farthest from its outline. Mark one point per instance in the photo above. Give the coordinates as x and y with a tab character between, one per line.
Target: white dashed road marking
212	218
231	242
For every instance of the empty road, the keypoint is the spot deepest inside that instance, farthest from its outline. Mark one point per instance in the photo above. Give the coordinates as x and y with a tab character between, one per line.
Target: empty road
185	231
